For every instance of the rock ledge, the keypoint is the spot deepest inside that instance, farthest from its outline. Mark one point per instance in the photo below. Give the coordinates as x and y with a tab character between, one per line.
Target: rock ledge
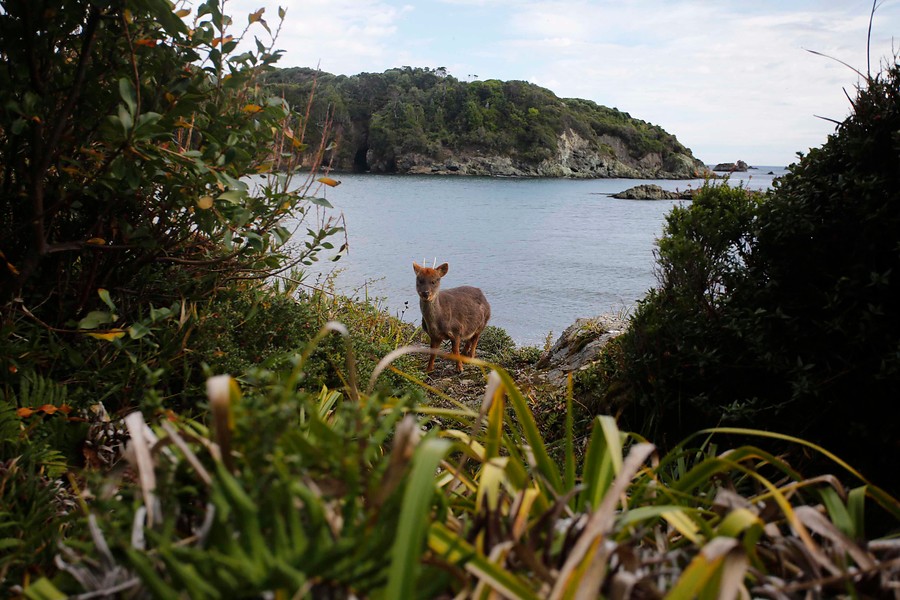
579	346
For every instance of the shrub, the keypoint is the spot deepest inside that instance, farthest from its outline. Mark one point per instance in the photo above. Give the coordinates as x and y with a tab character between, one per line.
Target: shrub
142	169
126	158
495	344
774	312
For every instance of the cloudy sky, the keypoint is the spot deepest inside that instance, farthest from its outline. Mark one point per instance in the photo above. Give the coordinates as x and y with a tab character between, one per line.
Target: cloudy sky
733	80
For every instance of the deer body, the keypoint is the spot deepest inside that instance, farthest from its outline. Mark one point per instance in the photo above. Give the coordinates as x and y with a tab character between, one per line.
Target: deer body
458	314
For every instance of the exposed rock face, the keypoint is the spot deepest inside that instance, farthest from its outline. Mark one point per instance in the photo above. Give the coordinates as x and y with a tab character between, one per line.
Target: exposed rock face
579	346
653	192
575	157
739	166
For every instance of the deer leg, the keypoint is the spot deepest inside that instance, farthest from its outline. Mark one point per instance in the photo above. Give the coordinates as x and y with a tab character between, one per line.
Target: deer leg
459	366
435	344
473	344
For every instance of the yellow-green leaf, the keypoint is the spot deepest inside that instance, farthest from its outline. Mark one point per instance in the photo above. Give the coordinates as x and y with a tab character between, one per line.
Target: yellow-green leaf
329	181
112	334
683	524
205	202
107	300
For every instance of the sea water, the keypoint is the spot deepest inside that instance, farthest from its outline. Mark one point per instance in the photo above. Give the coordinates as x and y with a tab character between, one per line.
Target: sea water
545	251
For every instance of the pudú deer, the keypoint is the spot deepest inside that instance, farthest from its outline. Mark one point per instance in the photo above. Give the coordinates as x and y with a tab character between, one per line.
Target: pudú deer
459	314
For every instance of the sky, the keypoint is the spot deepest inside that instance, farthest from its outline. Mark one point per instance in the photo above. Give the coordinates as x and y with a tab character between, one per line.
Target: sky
732	80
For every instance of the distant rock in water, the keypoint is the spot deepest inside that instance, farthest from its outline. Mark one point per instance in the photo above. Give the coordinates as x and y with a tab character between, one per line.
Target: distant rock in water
740	166
652	191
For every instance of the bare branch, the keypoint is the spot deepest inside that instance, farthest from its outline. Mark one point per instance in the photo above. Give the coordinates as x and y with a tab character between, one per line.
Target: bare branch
837	60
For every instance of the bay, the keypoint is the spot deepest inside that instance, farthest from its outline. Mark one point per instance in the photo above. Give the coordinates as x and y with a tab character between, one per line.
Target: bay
545	251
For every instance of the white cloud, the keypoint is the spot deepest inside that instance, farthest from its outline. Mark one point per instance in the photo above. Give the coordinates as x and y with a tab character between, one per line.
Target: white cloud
732	80
337	34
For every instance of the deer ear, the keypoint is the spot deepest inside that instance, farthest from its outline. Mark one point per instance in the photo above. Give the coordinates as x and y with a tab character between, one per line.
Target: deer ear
416	268
443	269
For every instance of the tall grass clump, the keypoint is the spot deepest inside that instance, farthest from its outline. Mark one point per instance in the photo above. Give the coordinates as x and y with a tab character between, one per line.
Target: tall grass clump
341	493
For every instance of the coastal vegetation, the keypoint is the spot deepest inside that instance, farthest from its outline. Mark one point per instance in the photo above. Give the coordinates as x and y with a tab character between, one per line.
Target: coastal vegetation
181	415
773	309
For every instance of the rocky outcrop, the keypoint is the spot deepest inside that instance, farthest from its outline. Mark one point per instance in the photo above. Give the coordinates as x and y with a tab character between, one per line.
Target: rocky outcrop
579	346
575	157
740	166
653	192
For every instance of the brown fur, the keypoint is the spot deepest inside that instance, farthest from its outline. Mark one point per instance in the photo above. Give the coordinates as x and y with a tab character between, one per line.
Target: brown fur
459	314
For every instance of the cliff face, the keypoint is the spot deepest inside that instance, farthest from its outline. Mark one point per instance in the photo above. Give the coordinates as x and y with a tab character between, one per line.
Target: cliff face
574	158
423	121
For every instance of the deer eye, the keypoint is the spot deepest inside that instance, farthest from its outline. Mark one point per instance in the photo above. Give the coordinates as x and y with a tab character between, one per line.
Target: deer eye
420	280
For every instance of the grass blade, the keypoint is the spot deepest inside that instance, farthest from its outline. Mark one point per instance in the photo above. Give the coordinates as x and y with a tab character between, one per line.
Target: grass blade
457	551
603	460
569	440
414	517
545	465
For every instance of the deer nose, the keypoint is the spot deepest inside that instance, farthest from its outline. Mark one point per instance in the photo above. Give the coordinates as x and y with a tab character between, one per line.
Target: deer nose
426	294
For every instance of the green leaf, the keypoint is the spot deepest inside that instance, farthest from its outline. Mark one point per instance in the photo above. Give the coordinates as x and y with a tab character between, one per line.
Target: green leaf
545	465
414	516
8	543
319	201
42	589
107	300
157	314
157	586
569	474
233	196
125	119
458	551
856	504
95	318
599	464
128	94
163	11
138	330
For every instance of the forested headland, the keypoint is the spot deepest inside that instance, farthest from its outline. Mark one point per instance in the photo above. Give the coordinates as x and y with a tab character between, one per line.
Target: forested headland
422	120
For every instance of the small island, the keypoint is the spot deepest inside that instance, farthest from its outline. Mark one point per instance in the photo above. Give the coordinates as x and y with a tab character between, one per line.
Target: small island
739	167
425	121
653	192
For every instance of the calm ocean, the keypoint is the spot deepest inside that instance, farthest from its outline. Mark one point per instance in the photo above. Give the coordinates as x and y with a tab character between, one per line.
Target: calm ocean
545	251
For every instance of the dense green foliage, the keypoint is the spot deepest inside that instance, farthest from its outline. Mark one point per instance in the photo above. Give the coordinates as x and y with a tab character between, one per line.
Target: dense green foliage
126	143
779	312
384	116
327	495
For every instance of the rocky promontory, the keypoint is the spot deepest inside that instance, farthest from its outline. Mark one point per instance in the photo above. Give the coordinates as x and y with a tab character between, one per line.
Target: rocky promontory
579	346
575	157
739	167
653	192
